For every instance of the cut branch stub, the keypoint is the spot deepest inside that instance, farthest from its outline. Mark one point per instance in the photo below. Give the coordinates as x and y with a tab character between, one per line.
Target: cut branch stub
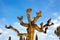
49	23
20	18
8	27
38	14
42	25
28	10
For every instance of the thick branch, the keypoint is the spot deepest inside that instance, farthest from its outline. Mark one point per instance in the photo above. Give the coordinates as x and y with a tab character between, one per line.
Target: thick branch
24	24
28	14
39	29
24	34
10	27
38	14
21	22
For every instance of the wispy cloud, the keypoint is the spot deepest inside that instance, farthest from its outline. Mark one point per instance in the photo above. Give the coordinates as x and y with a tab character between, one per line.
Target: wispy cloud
1	30
56	20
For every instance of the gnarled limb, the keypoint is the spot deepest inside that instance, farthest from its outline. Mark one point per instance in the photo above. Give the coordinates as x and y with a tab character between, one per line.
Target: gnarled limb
42	25
19	34
46	29
24	24
11	27
49	23
21	22
38	14
39	29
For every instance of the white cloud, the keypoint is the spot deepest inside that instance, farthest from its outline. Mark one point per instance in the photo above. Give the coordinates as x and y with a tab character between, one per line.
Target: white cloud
4	35
1	30
51	36
6	32
56	21
56	24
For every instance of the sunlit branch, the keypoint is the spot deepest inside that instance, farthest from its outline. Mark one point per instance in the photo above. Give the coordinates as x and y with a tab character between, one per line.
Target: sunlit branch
11	27
21	22
28	14
38	14
22	34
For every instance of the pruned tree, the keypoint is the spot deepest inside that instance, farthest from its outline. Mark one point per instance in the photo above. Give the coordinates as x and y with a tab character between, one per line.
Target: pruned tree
31	26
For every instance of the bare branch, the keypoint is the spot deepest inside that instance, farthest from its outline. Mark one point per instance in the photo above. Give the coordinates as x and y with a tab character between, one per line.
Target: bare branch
39	29
38	14
28	14
21	22
24	34
10	27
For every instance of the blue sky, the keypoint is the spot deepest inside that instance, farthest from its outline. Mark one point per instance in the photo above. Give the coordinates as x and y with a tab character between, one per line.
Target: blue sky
10	9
